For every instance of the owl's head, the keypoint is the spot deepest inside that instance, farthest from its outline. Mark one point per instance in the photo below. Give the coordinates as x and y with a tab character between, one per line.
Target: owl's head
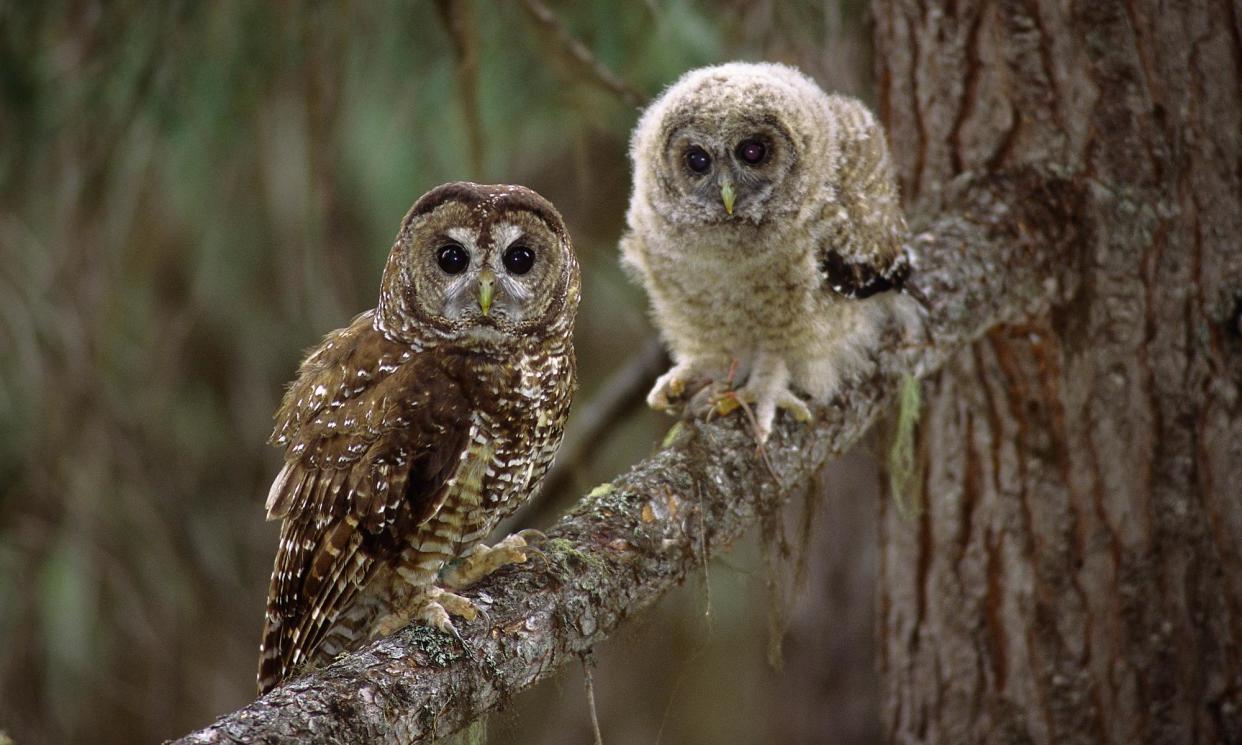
734	142
487	263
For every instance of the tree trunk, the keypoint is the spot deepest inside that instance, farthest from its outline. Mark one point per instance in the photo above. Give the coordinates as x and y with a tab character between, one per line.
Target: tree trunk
1075	575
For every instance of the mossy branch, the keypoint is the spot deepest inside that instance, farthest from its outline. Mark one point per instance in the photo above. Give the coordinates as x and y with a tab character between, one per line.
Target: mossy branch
998	252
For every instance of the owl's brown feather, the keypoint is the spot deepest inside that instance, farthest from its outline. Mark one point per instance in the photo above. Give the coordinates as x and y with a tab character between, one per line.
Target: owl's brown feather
372	433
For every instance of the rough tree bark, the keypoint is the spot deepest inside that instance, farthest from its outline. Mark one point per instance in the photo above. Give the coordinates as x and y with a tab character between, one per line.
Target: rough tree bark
1076	576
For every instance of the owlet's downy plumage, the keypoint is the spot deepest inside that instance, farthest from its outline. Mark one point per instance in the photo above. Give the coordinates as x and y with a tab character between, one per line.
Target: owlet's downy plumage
766	227
409	434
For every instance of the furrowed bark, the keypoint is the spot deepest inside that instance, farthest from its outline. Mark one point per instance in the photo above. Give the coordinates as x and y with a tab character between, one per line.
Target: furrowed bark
996	255
1077	576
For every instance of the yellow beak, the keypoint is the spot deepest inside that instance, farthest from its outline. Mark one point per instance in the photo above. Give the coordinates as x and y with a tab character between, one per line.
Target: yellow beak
727	195
486	290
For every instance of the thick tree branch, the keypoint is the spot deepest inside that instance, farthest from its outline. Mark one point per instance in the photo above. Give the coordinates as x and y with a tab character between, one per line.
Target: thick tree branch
997	253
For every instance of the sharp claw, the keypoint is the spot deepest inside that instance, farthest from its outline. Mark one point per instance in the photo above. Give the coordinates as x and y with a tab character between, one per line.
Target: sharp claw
457	635
795	406
671	387
536	551
726	404
532	536
676	387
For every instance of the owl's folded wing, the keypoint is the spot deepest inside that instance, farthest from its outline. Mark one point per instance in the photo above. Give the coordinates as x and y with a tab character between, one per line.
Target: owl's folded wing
372	437
863	229
863	277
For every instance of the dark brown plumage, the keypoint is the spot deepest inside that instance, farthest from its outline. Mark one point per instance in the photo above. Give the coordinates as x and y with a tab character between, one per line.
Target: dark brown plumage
409	434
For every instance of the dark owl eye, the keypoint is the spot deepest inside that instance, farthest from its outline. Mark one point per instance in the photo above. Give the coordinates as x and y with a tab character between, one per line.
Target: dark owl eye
519	259
698	160
751	152
452	258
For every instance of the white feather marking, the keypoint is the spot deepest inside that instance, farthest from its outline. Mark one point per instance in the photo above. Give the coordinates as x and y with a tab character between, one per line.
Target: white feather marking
278	486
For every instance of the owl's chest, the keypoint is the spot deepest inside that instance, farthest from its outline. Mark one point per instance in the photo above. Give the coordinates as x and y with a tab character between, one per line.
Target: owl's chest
765	276
513	435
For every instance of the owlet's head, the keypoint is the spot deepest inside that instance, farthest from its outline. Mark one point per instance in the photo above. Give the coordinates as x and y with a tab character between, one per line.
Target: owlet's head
735	142
480	262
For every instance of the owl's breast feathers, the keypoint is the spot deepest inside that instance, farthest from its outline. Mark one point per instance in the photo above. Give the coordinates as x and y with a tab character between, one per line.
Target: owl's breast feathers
374	433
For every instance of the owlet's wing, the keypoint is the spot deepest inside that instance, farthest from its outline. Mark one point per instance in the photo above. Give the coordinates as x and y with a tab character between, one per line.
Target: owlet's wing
862	253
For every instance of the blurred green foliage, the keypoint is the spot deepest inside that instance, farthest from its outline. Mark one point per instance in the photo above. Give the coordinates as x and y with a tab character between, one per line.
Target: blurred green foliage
192	193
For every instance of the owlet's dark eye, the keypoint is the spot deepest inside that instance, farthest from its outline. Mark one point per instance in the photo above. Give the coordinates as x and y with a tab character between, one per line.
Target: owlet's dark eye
452	258
519	259
698	160
751	152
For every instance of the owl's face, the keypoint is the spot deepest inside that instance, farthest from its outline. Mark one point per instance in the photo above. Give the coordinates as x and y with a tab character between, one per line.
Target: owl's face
731	144
721	168
484	262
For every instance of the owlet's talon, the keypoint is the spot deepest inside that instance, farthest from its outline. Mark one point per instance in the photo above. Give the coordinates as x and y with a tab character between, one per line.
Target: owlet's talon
726	403
676	387
794	405
673	387
667	390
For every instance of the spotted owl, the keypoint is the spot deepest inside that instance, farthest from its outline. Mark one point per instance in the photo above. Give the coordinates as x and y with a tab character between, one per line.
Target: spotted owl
766	228
410	433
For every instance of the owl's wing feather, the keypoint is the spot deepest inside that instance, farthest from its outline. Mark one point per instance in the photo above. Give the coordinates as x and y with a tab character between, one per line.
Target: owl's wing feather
373	432
862	251
863	278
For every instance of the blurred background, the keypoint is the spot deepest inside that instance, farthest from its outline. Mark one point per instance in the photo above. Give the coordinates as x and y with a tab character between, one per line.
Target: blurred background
193	193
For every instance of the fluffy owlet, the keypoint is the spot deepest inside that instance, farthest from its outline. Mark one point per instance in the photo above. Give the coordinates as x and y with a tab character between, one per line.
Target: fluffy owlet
766	227
410	433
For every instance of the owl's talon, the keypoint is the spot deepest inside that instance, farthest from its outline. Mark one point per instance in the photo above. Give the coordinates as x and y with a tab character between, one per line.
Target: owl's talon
485	560
448	628
456	605
665	393
766	390
794	405
434	606
676	387
671	387
532	537
726	403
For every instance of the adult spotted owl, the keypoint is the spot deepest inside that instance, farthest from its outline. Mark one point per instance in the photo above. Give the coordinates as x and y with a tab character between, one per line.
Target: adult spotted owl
409	434
766	227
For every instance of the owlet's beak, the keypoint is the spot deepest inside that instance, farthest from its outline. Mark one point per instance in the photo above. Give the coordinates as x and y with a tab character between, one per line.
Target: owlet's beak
727	195
487	288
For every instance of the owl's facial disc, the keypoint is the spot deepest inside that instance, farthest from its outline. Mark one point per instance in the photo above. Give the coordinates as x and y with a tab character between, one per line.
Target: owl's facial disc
495	281
490	263
726	171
